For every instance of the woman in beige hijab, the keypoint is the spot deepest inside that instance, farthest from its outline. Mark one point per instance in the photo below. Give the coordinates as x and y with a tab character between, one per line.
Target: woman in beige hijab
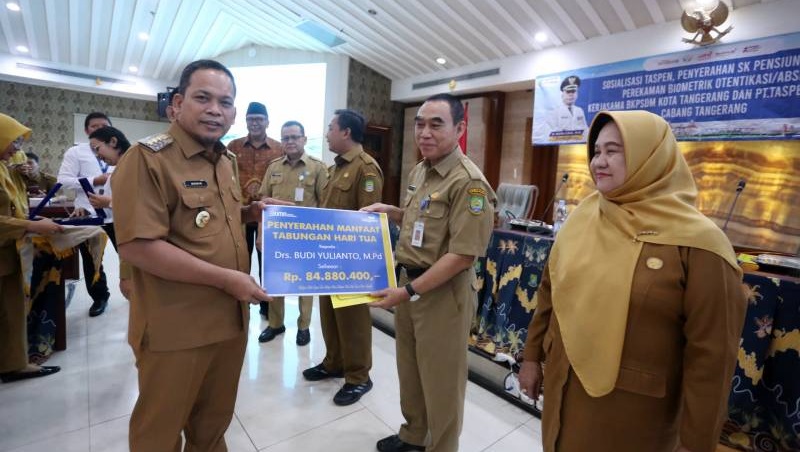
14	224
641	307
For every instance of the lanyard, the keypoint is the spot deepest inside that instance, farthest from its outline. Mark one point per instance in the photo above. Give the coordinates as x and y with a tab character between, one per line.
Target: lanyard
103	165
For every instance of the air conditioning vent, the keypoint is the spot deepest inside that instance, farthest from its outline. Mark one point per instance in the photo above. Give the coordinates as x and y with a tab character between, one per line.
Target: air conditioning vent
458	78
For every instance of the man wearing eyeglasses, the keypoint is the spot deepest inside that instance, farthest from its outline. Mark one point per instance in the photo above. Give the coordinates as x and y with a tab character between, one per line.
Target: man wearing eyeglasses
299	178
253	154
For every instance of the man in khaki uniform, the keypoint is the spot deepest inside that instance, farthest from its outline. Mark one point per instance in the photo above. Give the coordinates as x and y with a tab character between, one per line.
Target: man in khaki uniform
299	178
182	232
445	223
354	181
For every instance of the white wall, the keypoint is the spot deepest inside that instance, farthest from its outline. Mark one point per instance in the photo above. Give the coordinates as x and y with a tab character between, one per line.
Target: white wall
517	73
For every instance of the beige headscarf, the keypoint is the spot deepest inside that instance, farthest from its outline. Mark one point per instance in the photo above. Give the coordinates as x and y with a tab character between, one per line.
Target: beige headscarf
10	130
593	261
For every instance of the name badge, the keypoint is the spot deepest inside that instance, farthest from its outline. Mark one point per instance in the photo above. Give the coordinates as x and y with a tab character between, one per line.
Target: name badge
416	237
195	184
298	194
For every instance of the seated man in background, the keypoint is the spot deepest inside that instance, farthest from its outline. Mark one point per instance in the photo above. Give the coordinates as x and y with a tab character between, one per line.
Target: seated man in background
38	183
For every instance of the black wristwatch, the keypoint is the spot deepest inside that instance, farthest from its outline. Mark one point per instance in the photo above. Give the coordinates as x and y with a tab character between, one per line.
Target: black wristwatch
414	296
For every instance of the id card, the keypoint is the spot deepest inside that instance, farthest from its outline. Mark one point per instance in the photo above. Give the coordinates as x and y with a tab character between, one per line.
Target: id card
298	194
416	237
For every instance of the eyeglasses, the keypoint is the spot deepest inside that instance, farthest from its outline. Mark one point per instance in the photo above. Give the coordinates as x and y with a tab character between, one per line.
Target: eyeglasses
289	138
256	119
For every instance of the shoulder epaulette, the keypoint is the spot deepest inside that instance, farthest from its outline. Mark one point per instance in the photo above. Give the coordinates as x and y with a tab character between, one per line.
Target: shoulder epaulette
230	155
370	160
472	169
157	142
366	157
317	161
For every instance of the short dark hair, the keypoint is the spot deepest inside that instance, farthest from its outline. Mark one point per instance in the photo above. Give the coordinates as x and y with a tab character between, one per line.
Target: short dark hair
32	156
353	120
456	107
195	66
105	134
95	115
295	123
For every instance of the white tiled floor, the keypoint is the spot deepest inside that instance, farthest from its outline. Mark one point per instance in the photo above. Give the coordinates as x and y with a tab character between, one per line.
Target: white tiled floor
86	407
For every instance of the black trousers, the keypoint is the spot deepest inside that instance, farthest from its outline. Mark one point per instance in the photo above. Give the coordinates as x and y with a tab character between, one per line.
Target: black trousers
99	289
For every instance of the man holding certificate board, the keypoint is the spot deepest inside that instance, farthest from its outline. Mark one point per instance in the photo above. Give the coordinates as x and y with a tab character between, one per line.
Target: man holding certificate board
337	253
446	222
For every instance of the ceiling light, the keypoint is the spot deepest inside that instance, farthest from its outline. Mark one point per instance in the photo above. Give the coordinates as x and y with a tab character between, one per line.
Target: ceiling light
13	6
22	49
321	33
694	5
143	36
540	37
133	69
441	60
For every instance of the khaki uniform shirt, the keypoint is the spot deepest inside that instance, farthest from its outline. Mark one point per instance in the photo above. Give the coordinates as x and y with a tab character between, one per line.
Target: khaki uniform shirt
253	163
454	203
354	181
11	228
162	189
282	180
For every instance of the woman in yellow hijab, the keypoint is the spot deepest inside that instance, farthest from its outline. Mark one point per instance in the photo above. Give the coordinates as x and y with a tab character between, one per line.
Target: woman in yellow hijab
14	224
641	307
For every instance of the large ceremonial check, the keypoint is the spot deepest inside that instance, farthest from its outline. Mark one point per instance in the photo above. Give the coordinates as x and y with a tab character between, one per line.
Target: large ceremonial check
311	251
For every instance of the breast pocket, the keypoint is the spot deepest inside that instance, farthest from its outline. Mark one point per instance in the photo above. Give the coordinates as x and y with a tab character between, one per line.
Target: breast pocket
343	192
275	179
202	213
436	211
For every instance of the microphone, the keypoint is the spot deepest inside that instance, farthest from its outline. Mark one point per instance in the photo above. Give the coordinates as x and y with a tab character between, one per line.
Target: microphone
553	199
739	188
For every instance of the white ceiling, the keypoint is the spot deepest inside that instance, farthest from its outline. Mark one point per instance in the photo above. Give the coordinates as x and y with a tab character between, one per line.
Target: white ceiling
401	40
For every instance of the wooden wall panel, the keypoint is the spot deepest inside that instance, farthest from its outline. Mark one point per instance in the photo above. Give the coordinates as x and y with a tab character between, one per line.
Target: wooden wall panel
767	215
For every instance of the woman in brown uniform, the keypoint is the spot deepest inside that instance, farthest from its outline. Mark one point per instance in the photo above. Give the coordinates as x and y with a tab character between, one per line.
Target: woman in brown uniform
640	309
14	224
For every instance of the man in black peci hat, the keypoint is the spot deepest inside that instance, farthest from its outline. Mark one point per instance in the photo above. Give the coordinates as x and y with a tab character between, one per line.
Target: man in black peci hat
253	154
